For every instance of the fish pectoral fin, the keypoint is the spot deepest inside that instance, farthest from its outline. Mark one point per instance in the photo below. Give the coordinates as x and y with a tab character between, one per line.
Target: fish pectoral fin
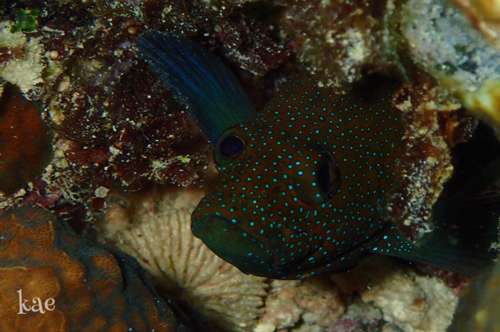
436	250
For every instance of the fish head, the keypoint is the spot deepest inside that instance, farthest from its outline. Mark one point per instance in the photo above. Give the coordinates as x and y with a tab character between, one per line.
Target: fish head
270	211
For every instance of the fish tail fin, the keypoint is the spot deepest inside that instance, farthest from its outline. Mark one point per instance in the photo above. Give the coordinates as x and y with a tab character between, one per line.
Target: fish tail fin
198	79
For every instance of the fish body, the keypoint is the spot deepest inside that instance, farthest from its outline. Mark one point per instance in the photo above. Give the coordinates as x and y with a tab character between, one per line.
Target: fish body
310	188
304	185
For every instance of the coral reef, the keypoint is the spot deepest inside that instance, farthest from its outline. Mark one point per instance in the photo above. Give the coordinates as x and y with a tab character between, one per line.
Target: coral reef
45	259
433	126
156	229
405	301
115	125
122	131
378	295
115	129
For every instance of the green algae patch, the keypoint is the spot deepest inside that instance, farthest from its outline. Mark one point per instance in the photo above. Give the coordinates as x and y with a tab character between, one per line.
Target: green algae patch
26	20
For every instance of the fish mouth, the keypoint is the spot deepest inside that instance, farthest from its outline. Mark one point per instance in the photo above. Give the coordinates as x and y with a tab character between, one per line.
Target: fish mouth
264	257
233	244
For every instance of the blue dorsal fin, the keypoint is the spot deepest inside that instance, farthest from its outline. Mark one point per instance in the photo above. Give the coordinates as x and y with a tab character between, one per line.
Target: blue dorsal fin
199	79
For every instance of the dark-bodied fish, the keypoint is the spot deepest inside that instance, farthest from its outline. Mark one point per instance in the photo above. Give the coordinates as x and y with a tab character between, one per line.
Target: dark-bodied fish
304	185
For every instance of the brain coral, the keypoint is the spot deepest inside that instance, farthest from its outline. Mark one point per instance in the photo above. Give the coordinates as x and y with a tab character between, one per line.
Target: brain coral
158	233
93	288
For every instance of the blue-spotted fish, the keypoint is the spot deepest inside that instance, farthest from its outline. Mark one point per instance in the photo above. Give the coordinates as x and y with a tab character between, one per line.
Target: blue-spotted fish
303	185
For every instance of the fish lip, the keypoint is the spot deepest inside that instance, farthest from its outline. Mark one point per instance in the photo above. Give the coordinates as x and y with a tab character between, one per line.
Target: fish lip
213	230
214	218
271	267
264	263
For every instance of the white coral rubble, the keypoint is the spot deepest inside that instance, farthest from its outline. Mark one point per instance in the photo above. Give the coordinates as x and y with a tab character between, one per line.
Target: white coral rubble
25	71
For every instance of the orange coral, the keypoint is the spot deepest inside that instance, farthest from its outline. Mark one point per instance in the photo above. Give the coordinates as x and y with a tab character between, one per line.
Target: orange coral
93	288
24	147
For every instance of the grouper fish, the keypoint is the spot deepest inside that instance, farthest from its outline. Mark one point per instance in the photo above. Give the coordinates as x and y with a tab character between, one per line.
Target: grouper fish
303	185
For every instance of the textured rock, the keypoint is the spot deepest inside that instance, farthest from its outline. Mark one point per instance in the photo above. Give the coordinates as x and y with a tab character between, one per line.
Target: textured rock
432	127
334	39
393	298
413	303
442	41
311	305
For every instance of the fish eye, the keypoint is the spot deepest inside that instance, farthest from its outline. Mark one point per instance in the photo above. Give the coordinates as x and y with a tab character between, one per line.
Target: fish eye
328	175
231	146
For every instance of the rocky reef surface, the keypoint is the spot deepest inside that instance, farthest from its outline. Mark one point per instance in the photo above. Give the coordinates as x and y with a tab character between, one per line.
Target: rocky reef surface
118	160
